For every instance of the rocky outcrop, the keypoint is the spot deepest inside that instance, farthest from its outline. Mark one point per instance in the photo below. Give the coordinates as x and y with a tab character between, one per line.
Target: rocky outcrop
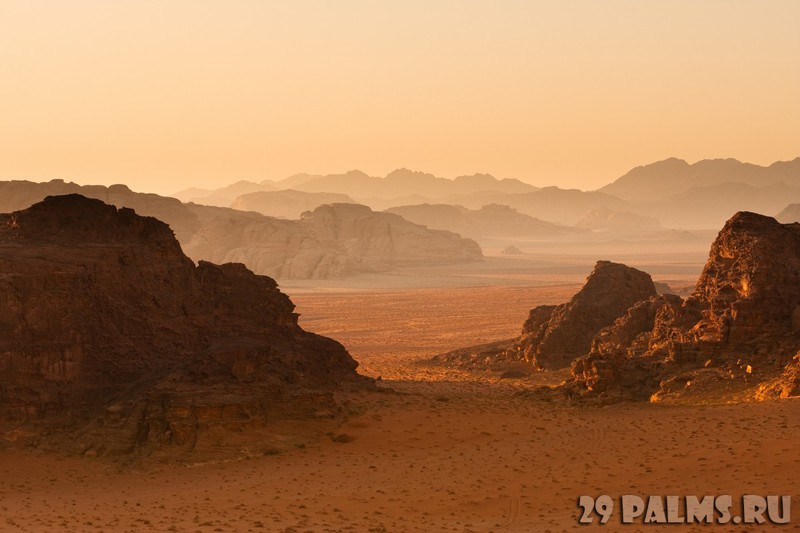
567	333
744	316
112	341
289	204
283	249
553	336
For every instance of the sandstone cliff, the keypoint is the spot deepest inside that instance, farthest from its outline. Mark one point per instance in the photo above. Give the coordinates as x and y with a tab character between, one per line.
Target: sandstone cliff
112	341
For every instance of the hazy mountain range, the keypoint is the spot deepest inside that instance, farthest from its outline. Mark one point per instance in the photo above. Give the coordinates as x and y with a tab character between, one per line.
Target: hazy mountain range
677	194
310	226
357	184
491	222
673	176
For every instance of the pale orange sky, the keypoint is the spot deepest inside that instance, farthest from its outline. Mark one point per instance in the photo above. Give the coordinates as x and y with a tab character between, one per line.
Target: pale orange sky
167	95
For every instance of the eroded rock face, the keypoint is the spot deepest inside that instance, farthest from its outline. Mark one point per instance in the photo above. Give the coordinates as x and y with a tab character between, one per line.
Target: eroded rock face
111	335
567	333
744	314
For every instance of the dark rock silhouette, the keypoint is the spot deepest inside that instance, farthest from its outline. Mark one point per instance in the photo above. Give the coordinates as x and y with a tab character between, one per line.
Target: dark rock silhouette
112	341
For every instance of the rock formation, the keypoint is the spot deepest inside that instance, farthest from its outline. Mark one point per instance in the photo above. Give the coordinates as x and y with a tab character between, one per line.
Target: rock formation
112	341
553	336
743	317
283	249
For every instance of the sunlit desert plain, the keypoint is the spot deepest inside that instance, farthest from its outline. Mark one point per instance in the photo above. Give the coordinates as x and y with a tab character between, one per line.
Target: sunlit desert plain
431	449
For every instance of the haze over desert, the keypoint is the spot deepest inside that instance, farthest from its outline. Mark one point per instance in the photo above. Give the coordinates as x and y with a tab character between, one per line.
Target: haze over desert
464	266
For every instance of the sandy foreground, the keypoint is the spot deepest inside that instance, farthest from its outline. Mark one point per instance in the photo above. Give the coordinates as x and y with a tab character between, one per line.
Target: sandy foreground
435	451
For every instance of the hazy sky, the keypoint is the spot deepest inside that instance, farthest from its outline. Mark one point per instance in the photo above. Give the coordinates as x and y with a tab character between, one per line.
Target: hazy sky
163	95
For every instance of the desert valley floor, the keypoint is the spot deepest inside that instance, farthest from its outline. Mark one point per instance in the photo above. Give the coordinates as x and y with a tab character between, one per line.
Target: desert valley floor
433	450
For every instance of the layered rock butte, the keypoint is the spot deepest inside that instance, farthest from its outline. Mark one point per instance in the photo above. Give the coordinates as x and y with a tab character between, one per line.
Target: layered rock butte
112	341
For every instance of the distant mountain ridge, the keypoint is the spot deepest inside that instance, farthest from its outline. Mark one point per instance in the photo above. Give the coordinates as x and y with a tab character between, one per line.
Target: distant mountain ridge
224	196
359	185
490	222
402	182
672	176
679	194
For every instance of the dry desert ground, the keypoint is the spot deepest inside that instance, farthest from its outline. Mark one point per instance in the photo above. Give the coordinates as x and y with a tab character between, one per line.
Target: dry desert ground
433	450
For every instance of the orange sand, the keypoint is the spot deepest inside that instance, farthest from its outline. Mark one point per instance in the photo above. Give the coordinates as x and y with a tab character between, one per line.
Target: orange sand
441	453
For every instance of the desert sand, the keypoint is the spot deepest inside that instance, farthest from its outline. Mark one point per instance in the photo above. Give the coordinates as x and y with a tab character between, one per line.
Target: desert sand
432	450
